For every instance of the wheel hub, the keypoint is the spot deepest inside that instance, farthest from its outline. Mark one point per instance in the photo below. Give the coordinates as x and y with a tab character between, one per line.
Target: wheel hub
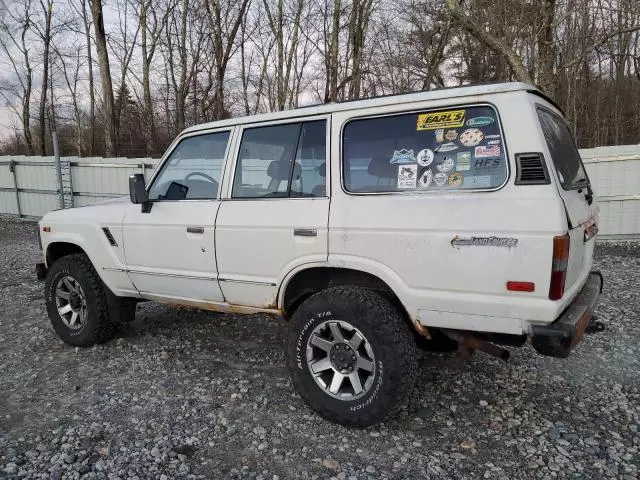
71	303
343	358
75	300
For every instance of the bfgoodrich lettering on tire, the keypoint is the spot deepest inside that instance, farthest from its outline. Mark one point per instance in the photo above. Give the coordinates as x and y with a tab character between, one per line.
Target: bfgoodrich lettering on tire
352	355
76	302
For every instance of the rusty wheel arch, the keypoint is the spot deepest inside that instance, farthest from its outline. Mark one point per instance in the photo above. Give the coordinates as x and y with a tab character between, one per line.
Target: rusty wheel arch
312	280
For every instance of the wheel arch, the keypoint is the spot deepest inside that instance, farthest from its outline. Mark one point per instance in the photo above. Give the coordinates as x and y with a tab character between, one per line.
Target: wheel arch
307	281
58	249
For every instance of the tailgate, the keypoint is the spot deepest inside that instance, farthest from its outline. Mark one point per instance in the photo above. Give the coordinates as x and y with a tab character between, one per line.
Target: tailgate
575	190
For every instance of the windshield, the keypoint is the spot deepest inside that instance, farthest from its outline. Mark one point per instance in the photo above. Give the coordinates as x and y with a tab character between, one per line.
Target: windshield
563	150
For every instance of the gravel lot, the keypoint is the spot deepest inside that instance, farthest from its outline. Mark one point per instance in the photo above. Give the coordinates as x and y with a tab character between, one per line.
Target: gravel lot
183	393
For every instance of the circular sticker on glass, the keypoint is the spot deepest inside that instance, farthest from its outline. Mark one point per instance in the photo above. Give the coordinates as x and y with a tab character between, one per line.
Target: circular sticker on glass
440	179
425	179
471	137
425	157
456	178
451	135
446	164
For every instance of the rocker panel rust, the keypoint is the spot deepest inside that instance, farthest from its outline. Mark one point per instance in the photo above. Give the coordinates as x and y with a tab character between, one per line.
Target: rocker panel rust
221	307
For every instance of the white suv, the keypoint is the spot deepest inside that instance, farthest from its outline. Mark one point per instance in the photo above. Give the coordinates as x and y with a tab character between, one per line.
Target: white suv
459	214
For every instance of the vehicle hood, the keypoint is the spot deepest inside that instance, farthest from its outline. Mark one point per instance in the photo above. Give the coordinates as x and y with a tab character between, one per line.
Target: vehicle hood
111	211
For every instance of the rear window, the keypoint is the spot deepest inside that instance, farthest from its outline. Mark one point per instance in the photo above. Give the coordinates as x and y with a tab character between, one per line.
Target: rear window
458	148
564	153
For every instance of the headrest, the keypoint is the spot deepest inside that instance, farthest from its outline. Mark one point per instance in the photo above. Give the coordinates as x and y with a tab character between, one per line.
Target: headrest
279	170
380	167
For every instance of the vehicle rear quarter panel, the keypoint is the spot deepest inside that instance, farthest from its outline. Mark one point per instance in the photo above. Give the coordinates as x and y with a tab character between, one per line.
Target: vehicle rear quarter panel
407	238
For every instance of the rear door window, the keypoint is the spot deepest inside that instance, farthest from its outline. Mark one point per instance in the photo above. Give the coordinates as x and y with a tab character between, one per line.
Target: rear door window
458	148
563	150
286	160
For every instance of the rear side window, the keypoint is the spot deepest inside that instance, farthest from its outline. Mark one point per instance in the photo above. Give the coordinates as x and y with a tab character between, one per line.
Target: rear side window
563	150
460	148
286	160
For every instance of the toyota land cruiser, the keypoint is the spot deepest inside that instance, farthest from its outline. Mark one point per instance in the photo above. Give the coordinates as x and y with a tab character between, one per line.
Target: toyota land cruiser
371	226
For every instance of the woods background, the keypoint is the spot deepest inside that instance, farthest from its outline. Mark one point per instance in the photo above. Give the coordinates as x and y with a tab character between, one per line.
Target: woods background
123	77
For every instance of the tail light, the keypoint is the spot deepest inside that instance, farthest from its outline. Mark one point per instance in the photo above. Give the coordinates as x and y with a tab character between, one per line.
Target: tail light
559	266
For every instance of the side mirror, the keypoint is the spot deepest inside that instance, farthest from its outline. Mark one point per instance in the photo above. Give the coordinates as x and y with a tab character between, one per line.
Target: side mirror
137	192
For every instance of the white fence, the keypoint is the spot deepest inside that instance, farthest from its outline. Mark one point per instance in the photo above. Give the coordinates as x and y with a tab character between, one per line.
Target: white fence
30	186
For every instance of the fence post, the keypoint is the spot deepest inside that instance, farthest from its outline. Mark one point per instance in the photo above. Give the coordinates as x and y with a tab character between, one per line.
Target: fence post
56	155
12	169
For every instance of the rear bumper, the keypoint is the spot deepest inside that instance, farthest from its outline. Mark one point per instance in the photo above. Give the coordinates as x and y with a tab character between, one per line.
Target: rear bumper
560	337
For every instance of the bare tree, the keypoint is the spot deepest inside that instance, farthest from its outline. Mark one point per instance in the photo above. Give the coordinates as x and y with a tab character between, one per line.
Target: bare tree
18	56
225	18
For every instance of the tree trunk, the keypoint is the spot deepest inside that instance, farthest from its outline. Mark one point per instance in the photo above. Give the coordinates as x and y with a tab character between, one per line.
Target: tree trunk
111	137
46	40
147	57
546	52
331	60
92	95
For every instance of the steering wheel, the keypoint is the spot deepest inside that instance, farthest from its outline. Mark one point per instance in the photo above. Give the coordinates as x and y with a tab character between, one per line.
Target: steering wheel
200	174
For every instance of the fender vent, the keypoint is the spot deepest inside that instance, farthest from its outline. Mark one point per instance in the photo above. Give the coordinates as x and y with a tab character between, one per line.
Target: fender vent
109	235
531	169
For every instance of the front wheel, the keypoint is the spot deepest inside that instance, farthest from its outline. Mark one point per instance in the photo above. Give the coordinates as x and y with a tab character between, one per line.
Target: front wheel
352	355
76	302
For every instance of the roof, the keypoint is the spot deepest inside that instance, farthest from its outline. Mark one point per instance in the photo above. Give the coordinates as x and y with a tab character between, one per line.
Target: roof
438	94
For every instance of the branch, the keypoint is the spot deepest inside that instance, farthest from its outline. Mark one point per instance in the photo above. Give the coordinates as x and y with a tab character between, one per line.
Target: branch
494	43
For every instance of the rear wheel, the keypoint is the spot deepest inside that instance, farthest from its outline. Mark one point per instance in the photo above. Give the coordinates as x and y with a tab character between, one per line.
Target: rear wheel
352	355
77	303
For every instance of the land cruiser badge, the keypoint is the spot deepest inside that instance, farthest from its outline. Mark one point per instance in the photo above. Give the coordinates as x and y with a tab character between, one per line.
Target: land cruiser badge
483	242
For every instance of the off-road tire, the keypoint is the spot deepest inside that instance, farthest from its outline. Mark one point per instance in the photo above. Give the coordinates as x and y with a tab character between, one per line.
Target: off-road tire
99	327
388	334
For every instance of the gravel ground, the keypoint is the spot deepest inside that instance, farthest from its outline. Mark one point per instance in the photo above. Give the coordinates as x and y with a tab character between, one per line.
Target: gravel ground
183	393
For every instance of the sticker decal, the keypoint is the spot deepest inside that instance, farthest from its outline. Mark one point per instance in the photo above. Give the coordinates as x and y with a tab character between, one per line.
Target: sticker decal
480	121
493	142
445	165
484	151
439	135
456	179
425	179
451	135
440	179
446	147
432	121
407	176
403	156
463	161
492	136
471	137
480	181
483	242
487	163
425	157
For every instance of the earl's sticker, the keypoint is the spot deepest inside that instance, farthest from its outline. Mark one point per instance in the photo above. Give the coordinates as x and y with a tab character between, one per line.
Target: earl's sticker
436	120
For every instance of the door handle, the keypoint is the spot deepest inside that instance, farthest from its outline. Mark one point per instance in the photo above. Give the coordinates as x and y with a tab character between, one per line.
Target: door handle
305	232
195	229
